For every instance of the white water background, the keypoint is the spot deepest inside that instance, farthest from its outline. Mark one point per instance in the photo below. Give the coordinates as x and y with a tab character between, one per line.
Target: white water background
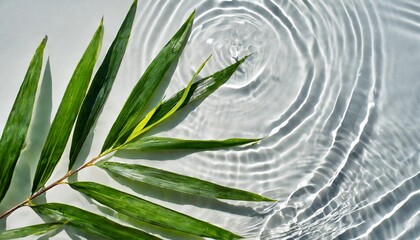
332	85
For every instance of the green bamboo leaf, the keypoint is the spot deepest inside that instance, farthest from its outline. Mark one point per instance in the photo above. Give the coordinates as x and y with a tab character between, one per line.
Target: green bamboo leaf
30	230
101	85
149	212
176	182
155	143
140	95
200	89
89	222
67	112
16	128
140	128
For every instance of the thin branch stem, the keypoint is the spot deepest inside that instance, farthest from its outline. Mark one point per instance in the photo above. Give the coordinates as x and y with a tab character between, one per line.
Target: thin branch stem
59	181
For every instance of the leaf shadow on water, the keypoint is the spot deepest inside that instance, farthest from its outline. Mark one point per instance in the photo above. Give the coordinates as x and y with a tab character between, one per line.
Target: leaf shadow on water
38	130
52	233
86	148
76	234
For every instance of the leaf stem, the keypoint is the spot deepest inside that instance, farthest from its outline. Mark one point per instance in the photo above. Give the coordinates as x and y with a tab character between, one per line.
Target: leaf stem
57	182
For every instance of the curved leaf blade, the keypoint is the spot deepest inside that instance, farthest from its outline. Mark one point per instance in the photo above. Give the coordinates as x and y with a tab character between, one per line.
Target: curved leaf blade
181	100
176	182
16	128
155	143
200	89
67	112
140	128
140	95
89	222
101	85
29	230
149	212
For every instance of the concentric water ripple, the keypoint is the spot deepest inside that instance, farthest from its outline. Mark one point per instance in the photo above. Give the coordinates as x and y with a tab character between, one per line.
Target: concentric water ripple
332	86
320	83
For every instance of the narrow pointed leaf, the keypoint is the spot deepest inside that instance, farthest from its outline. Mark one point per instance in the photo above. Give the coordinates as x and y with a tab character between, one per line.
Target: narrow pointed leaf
101	85
200	89
149	212
181	100
140	128
142	92
89	222
154	143
29	231
67	112
16	128
176	182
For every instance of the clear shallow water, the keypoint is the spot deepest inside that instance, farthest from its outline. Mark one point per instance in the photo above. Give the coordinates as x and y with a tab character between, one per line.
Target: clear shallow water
333	84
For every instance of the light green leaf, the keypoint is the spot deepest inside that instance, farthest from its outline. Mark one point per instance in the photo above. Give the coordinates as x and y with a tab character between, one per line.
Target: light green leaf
176	182
149	212
130	114
101	85
29	230
140	128
154	143
89	222
67	112
16	128
200	89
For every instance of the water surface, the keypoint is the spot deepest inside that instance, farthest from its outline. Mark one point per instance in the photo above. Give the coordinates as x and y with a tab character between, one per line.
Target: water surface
332	84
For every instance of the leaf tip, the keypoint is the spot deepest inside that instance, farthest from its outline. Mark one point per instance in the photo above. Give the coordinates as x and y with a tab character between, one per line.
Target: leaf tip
192	15
247	56
208	58
266	199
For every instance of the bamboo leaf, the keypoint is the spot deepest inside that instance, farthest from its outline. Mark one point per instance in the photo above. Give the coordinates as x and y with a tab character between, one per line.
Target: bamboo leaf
176	182
16	128
29	230
67	112
154	143
140	95
101	85
200	89
149	212
89	222
140	128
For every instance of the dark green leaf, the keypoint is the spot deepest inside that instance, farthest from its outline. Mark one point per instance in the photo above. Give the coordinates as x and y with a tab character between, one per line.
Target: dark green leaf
129	116
101	85
89	222
153	143
149	212
29	231
176	182
200	89
67	112
16	128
